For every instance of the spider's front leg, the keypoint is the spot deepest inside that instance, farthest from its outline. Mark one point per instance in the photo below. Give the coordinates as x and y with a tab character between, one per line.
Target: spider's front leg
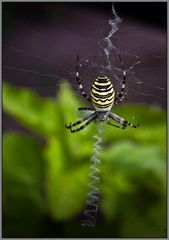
82	92
120	95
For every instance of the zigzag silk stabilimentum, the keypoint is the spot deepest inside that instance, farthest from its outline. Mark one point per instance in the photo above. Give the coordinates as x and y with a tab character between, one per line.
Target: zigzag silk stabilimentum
93	196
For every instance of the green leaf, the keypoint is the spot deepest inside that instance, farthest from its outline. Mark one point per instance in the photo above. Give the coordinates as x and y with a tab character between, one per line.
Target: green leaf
48	117
128	155
33	112
22	159
23	173
65	186
67	198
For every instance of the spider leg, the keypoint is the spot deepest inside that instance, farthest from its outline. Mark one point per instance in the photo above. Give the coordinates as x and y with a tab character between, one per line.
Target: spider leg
82	92
85	125
79	121
76	123
122	121
85	111
110	123
85	108
90	120
120	95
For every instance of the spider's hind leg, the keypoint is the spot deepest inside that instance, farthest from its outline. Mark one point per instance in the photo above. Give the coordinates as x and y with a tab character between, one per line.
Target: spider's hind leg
89	119
82	92
84	125
110	123
122	121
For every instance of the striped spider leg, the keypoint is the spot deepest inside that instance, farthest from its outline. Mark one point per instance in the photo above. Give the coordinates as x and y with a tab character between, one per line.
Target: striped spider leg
89	119
124	123
82	92
120	96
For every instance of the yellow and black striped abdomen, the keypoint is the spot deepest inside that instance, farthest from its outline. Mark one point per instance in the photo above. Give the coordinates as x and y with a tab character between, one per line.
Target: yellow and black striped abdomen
102	94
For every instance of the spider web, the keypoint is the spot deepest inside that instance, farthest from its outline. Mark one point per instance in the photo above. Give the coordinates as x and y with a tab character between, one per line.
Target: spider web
39	52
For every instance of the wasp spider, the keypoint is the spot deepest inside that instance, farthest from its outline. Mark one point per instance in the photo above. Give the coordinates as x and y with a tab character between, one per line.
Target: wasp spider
102	97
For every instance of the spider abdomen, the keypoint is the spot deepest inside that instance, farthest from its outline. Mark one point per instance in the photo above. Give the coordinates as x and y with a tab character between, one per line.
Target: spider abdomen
102	94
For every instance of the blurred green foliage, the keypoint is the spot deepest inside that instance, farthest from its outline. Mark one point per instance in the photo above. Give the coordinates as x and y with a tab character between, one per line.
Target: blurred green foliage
45	182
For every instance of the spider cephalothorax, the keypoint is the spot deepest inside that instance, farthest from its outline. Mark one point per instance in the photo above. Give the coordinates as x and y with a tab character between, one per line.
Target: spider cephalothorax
102	96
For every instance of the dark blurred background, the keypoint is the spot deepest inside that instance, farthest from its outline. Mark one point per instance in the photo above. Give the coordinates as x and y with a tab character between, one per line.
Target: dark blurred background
41	41
153	13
